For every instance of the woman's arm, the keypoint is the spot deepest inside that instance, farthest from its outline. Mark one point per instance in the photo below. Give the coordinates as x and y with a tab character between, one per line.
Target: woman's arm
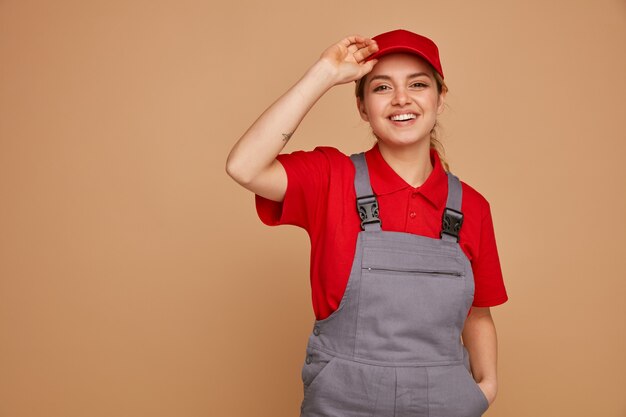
252	161
479	337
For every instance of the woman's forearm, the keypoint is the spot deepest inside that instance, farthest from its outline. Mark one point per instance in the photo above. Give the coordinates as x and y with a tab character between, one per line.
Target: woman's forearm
259	146
267	136
480	339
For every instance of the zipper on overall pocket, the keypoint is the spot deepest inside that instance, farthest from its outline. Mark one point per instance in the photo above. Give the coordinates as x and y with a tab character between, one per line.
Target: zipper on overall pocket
417	271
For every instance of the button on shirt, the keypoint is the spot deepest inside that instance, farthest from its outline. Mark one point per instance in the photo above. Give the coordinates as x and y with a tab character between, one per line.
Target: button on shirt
320	198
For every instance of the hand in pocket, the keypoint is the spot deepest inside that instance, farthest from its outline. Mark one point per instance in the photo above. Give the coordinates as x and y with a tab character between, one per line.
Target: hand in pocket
489	389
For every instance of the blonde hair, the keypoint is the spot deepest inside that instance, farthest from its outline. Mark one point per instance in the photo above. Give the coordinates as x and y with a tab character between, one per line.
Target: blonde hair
435	143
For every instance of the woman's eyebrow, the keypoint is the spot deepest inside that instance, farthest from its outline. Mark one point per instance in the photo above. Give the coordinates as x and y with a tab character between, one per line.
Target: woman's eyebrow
388	78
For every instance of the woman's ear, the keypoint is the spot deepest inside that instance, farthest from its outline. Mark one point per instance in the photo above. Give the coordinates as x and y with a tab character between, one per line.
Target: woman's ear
441	101
362	110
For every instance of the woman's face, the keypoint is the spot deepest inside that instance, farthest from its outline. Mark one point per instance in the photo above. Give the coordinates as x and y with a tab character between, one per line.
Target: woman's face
400	99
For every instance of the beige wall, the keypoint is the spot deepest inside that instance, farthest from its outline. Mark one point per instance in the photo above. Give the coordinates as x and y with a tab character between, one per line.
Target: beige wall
135	277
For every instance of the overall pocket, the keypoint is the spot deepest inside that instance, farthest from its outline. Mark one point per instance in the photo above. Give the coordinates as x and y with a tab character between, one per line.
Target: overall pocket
452	391
479	392
315	365
399	305
472	382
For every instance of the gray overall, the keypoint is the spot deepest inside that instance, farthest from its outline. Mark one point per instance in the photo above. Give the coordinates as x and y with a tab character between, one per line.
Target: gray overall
393	346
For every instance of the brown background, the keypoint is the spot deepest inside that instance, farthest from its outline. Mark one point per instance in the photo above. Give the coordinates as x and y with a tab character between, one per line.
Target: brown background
136	279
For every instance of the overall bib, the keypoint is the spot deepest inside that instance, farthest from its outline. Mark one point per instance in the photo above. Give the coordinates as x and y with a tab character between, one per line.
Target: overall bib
393	346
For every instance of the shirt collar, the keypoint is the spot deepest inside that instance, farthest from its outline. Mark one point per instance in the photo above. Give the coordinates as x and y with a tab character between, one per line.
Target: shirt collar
385	180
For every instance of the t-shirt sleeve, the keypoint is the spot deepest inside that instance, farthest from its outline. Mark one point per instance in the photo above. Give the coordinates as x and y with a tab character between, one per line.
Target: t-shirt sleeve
307	186
490	290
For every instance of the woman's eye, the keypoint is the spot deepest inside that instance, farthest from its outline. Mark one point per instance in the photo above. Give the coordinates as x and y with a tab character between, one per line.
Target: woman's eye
420	85
380	88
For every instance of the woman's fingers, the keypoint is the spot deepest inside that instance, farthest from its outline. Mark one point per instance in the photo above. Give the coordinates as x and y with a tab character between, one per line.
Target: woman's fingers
359	46
354	39
353	48
348	57
367	67
365	51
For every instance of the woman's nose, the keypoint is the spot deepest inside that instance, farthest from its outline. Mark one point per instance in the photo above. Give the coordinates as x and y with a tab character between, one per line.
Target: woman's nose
400	96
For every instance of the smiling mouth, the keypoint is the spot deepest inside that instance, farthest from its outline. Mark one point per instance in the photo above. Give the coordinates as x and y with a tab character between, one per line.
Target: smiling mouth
403	118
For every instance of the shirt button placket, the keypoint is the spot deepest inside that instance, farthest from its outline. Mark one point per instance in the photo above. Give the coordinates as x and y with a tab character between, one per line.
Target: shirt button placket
412	212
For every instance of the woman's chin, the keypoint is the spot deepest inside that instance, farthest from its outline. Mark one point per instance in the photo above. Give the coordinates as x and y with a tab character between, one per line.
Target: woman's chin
403	142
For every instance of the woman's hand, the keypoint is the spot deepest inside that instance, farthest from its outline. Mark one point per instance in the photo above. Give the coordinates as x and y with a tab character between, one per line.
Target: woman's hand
347	57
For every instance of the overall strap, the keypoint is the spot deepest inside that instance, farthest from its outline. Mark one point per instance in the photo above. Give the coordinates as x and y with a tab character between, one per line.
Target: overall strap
452	218
366	203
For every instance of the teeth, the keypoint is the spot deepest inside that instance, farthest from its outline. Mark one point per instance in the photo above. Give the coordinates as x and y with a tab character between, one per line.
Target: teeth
401	117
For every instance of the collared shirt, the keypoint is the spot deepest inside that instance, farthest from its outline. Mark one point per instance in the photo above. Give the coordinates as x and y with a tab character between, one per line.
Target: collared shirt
320	198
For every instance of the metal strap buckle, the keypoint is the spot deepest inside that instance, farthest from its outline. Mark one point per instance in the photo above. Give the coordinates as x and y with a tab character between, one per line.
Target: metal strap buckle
451	222
367	207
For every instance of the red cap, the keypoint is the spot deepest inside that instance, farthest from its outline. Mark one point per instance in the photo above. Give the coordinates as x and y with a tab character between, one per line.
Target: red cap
404	41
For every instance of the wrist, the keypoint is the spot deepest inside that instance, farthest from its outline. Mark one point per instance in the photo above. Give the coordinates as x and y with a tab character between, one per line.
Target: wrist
323	72
492	382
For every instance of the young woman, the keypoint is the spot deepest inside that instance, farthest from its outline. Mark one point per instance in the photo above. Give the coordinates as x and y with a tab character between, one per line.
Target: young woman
404	264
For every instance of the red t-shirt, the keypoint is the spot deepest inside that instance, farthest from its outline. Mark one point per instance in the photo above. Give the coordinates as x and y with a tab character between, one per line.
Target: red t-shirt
320	198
